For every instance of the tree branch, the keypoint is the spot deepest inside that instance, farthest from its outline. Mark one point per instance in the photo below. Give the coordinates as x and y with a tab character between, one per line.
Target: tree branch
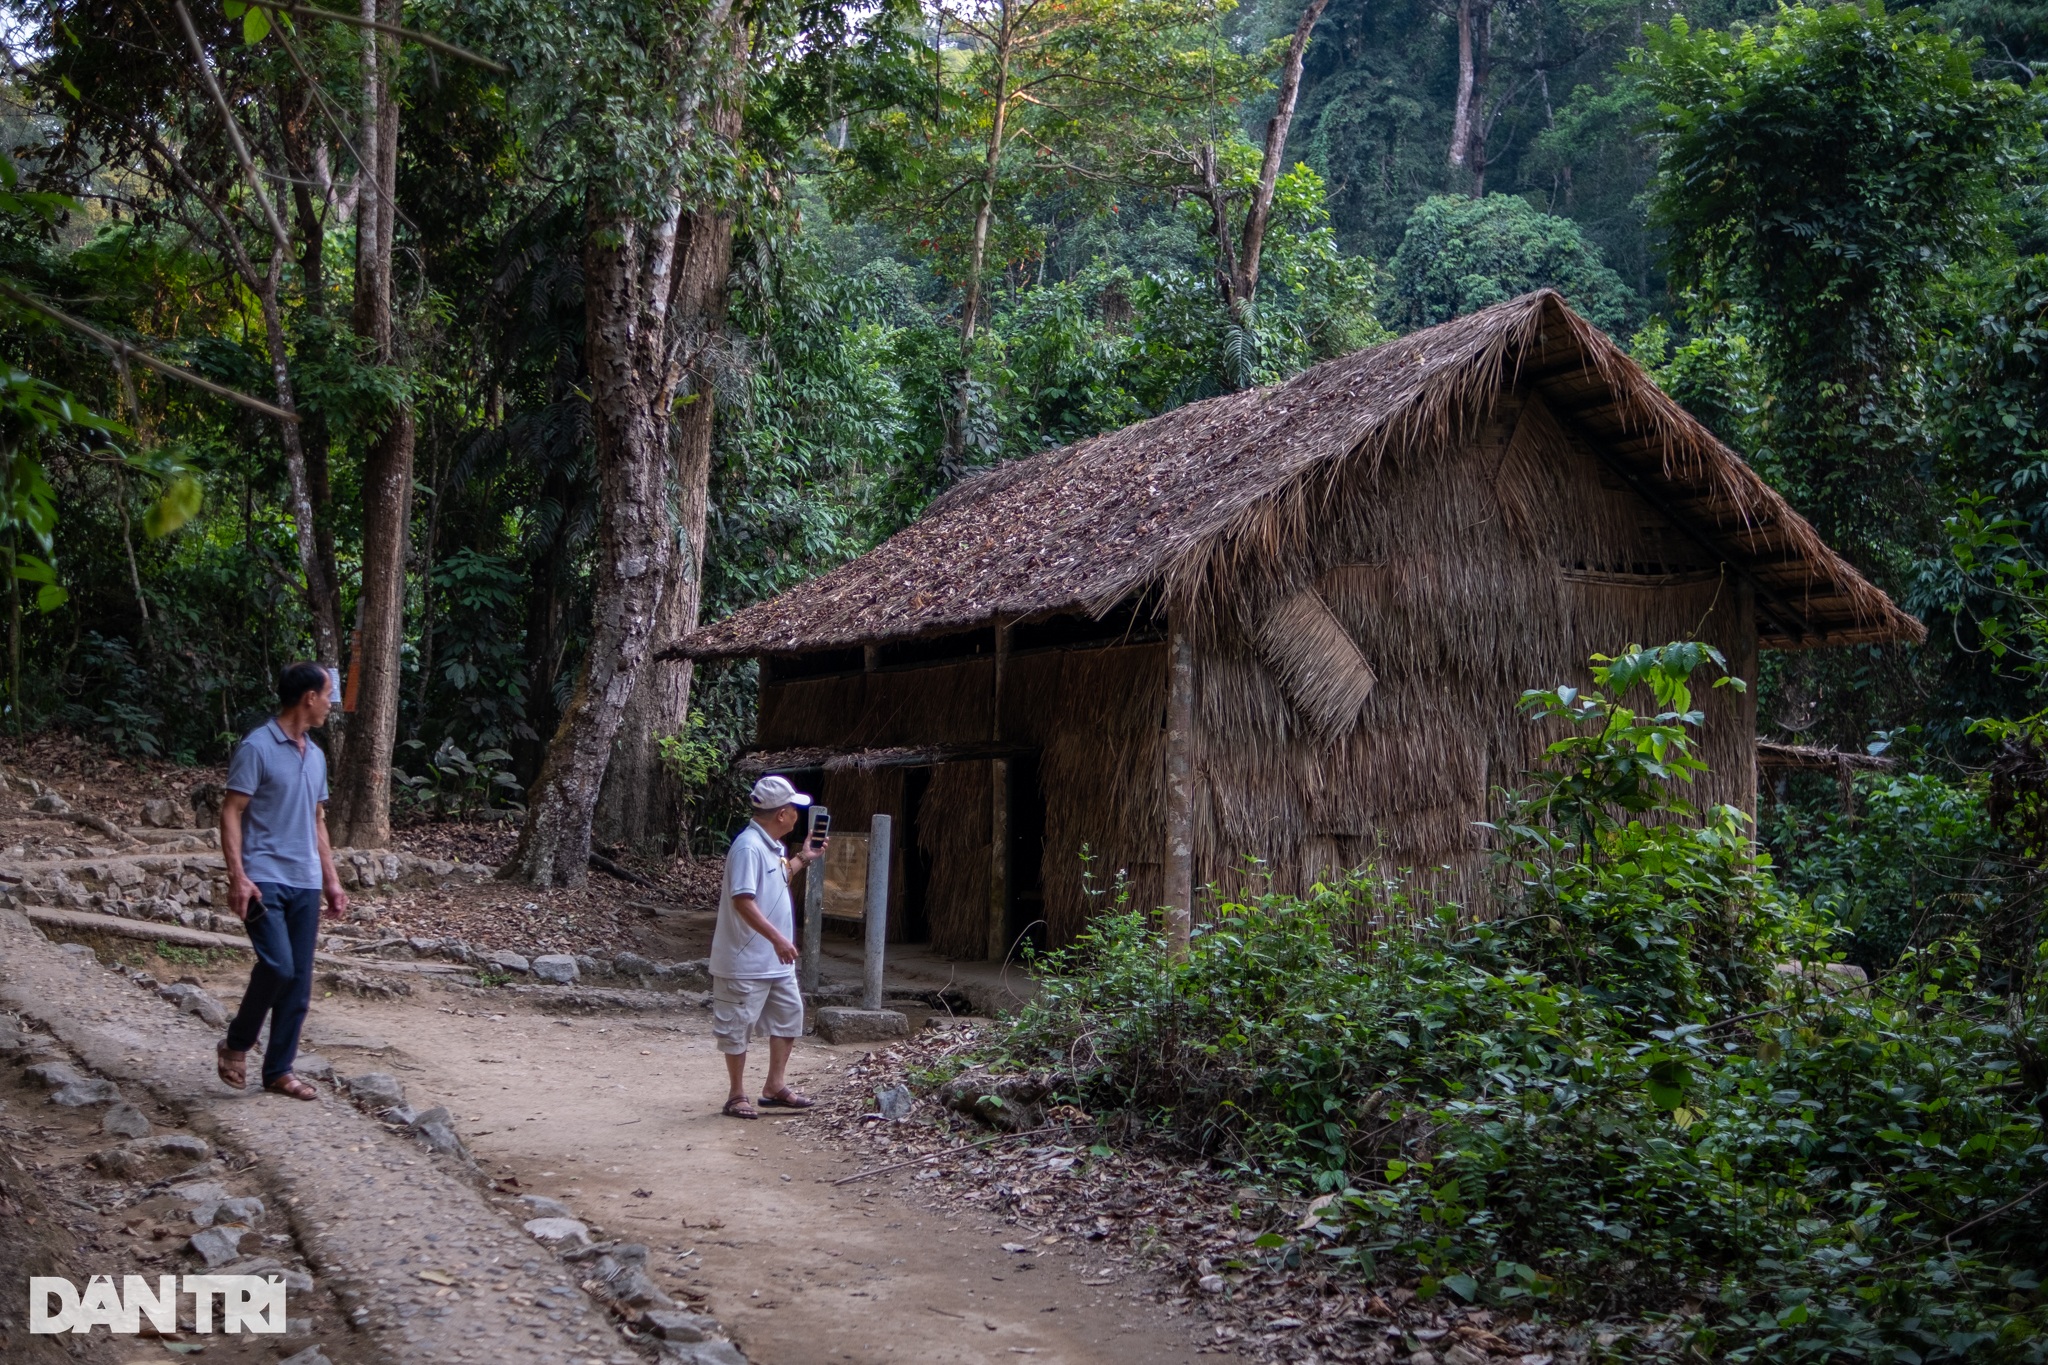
122	350
231	243
329	112
411	35
234	129
1247	273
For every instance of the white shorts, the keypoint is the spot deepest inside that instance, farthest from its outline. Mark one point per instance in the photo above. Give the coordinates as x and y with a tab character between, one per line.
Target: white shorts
743	1008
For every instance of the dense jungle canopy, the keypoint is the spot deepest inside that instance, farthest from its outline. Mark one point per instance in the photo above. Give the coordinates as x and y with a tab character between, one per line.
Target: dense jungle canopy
510	315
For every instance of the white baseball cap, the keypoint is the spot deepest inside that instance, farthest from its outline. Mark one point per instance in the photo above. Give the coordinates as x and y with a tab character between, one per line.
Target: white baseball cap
773	792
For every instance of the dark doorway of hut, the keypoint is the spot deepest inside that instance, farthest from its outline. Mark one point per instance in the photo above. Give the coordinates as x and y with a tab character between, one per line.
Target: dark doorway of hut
917	859
1024	918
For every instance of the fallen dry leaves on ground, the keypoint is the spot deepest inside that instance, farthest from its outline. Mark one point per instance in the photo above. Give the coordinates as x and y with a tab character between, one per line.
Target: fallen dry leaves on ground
1182	1228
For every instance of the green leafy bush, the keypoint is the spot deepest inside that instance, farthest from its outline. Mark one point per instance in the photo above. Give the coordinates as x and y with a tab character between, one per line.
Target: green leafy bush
1914	864
481	687
455	783
1639	1088
695	758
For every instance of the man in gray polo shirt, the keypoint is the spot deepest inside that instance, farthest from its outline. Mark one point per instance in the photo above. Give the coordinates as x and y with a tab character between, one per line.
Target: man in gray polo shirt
273	837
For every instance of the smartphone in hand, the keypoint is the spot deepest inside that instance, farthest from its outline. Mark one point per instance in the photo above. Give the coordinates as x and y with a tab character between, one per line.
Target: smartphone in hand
821	827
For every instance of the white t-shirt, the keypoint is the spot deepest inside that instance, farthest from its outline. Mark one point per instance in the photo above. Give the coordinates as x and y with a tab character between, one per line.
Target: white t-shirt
753	867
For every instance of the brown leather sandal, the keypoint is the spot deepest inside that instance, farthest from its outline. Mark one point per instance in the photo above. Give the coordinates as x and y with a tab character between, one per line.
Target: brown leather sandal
232	1067
787	1098
289	1084
740	1107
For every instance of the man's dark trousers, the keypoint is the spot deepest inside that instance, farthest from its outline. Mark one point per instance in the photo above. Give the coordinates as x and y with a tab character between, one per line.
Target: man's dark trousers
281	985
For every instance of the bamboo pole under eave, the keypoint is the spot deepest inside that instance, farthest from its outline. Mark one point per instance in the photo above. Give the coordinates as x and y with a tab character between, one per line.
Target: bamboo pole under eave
999	809
1179	862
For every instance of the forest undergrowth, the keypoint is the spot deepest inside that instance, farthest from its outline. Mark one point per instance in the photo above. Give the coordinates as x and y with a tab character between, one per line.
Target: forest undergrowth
1643	1088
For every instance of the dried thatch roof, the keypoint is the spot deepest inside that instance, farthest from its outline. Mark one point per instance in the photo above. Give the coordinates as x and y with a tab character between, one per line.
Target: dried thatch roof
1083	527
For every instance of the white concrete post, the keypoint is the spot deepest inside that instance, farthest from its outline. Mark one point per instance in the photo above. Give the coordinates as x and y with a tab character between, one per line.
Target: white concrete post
876	916
1179	864
814	927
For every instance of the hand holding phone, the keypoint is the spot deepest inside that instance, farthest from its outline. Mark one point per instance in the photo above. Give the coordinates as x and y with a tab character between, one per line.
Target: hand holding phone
820	830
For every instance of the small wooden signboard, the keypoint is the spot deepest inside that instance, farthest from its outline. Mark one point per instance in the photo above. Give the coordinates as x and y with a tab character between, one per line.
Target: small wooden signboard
846	876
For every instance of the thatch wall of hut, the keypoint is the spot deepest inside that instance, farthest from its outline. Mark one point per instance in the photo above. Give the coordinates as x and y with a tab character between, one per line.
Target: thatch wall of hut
1094	716
953	831
1463	577
939	703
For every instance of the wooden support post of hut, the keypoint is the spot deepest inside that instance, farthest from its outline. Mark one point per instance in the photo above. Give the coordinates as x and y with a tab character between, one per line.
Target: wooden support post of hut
1362	569
812	970
1179	783
999	806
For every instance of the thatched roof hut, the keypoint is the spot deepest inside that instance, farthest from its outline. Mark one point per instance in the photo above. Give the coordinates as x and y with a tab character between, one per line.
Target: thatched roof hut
1289	624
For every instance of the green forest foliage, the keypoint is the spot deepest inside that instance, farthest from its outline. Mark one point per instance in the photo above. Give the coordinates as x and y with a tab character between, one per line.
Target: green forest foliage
1461	254
1819	227
1823	176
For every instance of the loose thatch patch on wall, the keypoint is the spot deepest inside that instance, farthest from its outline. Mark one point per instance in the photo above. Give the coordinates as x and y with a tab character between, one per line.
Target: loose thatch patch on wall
1316	662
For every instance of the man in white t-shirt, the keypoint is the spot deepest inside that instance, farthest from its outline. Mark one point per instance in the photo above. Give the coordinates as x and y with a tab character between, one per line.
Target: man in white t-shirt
753	957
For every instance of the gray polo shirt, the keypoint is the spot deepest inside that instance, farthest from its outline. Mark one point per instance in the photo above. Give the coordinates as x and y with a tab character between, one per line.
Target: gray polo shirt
286	784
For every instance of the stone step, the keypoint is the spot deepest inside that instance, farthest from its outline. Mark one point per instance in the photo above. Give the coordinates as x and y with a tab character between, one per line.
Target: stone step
86	922
190	888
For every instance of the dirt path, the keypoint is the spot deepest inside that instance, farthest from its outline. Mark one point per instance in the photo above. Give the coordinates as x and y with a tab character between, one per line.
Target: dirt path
618	1117
370	1210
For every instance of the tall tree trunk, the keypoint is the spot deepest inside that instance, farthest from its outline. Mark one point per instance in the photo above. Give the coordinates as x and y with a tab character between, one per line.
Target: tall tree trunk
1217	196
628	267
360	816
954	457
322	596
300	142
1237	262
1260	213
641	803
1482	122
647	285
1468	132
361	812
373	210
